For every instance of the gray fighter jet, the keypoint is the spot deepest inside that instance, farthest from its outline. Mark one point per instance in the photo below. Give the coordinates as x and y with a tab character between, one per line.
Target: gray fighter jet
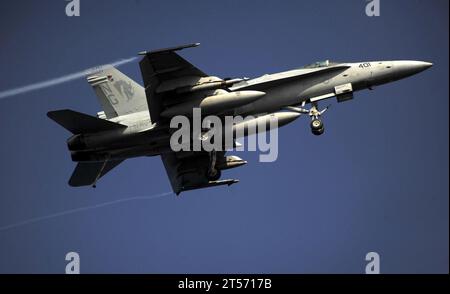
135	119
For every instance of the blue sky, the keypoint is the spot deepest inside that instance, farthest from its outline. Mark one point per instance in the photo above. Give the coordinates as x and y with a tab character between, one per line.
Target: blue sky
327	201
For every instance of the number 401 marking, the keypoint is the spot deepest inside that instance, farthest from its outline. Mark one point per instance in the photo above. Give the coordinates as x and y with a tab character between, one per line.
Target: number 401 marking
364	65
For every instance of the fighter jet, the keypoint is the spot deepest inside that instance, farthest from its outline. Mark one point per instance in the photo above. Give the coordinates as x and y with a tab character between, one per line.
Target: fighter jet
135	119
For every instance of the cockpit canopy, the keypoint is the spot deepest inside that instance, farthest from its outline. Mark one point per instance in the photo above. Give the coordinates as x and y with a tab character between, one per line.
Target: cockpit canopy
318	64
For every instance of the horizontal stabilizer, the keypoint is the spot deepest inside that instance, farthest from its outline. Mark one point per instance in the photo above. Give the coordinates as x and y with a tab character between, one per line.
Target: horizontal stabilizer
80	123
87	173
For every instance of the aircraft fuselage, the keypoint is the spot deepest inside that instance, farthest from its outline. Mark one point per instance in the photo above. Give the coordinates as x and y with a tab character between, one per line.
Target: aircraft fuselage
283	89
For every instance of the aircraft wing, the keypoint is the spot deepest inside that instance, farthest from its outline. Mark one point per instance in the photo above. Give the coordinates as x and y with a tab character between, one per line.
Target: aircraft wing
162	66
188	170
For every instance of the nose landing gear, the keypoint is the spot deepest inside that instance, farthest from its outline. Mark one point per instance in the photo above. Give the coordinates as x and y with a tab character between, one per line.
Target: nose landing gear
317	127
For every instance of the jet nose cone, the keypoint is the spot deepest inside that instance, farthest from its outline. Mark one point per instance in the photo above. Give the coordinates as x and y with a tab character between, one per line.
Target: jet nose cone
403	69
421	65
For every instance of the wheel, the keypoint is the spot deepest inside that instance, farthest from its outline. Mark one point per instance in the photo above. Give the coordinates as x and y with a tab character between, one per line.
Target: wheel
214	176
316	124
318	132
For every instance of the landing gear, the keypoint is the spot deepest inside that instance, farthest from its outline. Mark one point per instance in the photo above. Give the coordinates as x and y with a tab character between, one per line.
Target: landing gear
213	174
317	127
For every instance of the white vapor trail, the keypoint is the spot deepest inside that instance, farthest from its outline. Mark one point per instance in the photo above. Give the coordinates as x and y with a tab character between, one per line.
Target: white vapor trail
60	80
80	209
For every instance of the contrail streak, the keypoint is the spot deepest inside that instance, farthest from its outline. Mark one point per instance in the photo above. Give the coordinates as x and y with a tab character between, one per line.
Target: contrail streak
80	209
60	80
